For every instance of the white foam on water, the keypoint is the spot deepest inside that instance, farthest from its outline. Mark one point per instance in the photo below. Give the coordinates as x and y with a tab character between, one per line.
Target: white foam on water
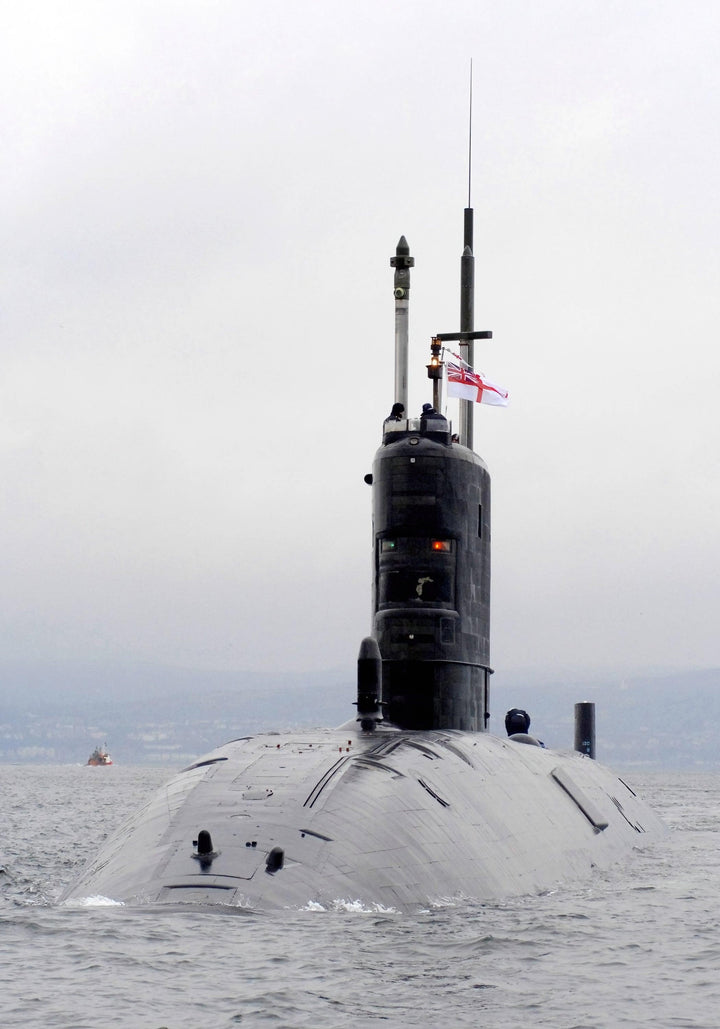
92	902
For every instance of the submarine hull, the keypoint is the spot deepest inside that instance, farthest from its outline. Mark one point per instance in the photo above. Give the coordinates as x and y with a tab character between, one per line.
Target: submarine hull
393	819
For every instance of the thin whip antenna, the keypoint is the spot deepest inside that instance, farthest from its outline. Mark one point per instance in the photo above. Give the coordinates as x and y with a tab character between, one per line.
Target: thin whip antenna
467	295
470	137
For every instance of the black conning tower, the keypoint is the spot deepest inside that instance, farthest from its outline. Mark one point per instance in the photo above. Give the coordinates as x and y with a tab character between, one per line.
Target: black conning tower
431	580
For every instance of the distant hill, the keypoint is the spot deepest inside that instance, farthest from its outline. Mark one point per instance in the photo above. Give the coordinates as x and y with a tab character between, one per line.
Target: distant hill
153	714
653	721
158	715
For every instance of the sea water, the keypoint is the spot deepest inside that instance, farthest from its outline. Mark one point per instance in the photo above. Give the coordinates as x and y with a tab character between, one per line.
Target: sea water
638	945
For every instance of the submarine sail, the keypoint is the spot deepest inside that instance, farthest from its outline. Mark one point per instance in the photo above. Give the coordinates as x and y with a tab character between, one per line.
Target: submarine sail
431	584
431	526
412	802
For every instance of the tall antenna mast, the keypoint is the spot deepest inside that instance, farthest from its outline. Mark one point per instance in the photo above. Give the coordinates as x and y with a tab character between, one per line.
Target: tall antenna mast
470	139
402	262
467	295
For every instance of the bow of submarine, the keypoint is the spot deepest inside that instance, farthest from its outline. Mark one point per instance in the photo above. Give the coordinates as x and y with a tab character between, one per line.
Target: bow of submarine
391	819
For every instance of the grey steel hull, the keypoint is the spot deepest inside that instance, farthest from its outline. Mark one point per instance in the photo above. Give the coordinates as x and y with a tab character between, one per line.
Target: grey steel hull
392	819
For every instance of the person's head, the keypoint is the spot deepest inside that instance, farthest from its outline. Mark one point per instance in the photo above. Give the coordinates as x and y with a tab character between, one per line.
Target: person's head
517	720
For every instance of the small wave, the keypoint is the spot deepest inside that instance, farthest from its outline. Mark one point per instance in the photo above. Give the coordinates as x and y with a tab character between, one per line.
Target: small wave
92	902
438	903
350	906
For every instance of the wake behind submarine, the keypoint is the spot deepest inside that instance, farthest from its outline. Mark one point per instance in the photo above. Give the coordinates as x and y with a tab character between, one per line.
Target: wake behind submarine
412	802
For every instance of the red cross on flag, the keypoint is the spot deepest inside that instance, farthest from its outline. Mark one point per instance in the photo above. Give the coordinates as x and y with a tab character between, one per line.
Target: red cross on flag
463	382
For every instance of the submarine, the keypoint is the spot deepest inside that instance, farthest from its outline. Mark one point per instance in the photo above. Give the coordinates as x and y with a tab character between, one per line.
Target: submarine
412	802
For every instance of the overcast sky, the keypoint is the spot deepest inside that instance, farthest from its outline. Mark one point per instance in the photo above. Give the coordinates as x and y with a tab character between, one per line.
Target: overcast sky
199	203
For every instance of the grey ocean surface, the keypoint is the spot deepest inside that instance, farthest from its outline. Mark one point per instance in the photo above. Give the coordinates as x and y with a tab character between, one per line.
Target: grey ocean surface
636	946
